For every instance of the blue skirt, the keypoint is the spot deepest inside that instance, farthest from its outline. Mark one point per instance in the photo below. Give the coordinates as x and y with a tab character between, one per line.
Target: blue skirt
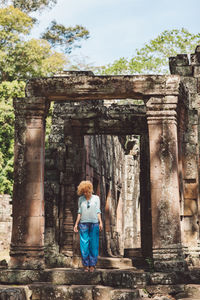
89	243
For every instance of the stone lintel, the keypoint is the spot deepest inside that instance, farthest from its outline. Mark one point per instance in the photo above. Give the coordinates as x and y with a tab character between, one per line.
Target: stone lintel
103	87
102	111
112	127
106	120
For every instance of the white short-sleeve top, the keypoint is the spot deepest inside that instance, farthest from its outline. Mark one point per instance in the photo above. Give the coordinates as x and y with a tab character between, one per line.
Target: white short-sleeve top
89	209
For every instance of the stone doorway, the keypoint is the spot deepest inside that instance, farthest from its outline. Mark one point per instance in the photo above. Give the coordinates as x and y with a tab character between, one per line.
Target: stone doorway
95	157
163	96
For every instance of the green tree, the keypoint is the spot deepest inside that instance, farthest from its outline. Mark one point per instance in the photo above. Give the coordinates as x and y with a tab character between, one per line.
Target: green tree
21	58
30	5
65	37
8	90
153	57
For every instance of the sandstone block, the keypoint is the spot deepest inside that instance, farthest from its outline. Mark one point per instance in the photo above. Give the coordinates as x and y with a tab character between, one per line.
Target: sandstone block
179	60
196	71
190	83
190	192
195	59
182	70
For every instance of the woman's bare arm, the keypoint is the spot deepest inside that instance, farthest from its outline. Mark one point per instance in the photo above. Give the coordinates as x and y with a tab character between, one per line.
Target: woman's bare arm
100	222
76	224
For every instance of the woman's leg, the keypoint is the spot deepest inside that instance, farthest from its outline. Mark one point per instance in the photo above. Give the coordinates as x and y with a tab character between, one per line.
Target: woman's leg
84	243
94	244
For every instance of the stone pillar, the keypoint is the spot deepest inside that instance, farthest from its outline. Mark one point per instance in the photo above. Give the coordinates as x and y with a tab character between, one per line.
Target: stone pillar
27	242
166	231
189	70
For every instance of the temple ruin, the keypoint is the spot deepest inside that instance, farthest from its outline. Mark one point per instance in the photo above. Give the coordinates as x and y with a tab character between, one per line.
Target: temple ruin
136	137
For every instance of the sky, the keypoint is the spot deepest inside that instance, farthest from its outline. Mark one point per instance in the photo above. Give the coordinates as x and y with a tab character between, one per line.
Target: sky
118	27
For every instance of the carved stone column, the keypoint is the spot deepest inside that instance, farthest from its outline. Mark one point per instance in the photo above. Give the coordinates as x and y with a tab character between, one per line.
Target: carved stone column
166	231
27	243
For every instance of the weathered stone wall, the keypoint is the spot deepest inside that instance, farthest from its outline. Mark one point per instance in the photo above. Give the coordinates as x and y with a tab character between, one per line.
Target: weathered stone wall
5	222
189	70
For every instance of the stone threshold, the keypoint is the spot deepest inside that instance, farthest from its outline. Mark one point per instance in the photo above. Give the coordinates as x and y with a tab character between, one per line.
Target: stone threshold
114	262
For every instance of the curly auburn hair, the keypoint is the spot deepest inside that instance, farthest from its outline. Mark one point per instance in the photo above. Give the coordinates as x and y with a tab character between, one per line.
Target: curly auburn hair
84	186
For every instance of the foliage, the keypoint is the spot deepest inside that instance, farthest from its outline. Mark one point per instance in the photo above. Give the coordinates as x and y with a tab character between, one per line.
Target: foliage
153	57
48	124
12	23
8	91
33	58
30	5
65	37
21	58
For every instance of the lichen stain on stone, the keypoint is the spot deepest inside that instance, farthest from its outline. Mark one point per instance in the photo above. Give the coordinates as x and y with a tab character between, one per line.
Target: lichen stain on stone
167	154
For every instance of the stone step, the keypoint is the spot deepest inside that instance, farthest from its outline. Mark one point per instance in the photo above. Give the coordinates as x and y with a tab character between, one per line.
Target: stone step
100	285
48	291
60	276
116	278
44	291
114	263
106	262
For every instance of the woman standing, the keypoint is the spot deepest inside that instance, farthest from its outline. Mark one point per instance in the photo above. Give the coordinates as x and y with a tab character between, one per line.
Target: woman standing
89	220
